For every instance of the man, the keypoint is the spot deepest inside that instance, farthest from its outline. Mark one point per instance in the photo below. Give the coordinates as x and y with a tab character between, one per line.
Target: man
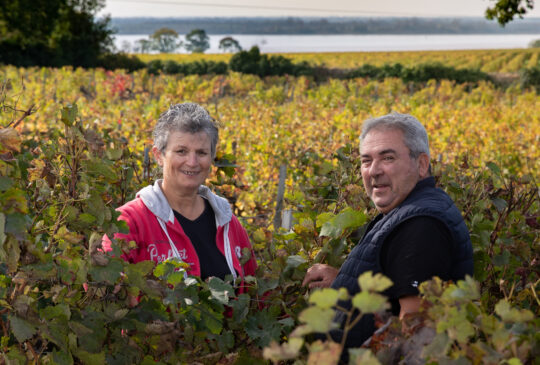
418	234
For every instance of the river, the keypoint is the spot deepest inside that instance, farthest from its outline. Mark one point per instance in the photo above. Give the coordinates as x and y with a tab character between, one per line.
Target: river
357	43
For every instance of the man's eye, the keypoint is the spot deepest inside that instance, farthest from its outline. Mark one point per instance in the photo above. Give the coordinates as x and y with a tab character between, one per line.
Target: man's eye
389	158
203	153
181	151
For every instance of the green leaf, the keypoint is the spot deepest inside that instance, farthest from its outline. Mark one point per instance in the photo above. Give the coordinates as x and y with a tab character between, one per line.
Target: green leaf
502	259
21	328
220	290
319	319
348	218
370	302
87	218
438	346
54	312
324	298
377	282
175	278
91	358
101	168
294	261
69	114
494	168
509	314
108	274
500	204
5	183
114	154
62	357
16	223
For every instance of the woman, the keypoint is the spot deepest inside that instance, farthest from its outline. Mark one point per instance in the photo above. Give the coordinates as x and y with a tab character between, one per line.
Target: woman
178	216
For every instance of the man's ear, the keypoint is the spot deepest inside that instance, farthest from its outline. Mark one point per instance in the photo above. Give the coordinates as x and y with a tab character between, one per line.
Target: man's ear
423	165
158	156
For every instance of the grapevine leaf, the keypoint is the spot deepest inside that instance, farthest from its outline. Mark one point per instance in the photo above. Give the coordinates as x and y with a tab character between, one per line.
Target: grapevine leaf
21	328
220	290
319	319
369	302
377	282
500	204
62	357
348	218
494	168
324	298
439	345
509	314
108	274
69	114
5	183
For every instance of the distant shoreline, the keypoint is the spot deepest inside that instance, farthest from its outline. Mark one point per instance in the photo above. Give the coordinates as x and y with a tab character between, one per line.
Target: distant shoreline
317	43
326	26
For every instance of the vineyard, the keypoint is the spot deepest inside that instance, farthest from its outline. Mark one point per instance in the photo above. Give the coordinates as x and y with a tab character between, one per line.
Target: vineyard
74	145
500	61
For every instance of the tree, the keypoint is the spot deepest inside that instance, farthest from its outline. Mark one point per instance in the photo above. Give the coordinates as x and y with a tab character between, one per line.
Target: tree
143	46
534	43
504	11
197	41
229	44
53	32
165	40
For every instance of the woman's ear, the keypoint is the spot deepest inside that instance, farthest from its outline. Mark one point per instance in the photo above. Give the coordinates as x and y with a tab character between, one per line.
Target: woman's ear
423	165
158	156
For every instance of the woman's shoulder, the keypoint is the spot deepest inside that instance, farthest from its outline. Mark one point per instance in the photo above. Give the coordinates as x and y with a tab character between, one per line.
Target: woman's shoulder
134	207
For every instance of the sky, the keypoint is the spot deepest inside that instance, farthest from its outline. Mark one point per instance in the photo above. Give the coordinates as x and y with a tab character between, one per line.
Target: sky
314	8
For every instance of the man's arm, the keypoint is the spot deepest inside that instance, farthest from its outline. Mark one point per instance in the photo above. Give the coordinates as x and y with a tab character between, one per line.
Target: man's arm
409	304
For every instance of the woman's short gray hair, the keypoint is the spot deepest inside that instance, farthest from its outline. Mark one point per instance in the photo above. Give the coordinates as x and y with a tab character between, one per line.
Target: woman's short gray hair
187	118
414	133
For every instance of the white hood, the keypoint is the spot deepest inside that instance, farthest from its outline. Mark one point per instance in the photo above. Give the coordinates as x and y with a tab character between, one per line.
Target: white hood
154	199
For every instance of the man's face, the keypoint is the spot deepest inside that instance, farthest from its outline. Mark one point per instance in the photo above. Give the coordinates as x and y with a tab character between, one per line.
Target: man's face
388	171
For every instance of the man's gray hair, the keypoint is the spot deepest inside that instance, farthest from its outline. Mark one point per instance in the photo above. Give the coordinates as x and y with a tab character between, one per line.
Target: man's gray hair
414	133
187	118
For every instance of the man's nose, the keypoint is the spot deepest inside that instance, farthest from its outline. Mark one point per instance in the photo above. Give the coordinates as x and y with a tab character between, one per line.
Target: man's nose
375	169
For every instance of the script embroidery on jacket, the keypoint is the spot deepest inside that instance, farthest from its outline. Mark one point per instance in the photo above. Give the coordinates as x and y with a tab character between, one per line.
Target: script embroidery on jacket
157	257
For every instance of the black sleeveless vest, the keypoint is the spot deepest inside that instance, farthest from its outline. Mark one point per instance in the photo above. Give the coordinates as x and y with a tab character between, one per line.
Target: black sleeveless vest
424	200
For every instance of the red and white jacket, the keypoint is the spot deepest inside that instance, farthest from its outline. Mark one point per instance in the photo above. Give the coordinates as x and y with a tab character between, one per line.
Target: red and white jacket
159	235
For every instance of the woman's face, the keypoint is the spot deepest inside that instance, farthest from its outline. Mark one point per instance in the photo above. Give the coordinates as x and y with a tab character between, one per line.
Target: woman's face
186	161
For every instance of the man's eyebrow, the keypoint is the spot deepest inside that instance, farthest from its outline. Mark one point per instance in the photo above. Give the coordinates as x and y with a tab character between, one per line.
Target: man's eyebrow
383	152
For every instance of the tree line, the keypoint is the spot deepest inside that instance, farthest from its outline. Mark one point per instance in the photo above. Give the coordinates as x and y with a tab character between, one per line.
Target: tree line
166	40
